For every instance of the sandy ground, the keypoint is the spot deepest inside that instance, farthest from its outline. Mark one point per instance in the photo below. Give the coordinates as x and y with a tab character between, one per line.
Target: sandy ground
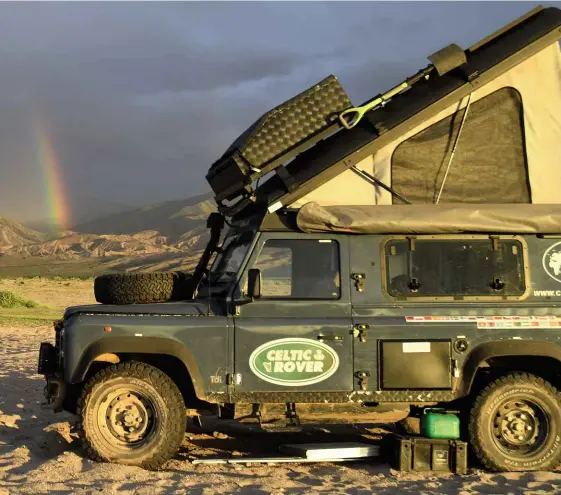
39	453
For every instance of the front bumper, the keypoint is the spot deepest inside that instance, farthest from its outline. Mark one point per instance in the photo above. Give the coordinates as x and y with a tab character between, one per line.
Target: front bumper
48	359
55	390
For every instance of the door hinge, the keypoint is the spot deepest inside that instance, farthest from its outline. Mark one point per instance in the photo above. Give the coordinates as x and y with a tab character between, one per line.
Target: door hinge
233	379
361	331
363	379
359	280
455	368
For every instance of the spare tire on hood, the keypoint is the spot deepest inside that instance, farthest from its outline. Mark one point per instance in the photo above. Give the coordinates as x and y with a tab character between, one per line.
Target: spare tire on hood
141	288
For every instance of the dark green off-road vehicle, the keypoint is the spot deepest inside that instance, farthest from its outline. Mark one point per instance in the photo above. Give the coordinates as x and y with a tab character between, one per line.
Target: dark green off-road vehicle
319	299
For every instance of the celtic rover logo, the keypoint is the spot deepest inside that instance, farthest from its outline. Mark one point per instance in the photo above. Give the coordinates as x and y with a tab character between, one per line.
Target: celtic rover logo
552	261
293	362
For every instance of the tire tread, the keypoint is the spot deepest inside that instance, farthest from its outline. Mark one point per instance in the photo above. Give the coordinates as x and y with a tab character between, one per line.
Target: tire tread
169	392
475	426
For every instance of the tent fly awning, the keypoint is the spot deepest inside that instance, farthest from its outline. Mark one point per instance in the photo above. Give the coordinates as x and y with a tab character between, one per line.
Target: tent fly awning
431	219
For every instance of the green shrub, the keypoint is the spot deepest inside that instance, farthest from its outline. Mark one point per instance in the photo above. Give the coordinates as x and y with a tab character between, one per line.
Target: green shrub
10	300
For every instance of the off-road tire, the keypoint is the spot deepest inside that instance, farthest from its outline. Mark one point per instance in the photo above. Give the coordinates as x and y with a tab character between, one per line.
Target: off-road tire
134	288
508	409
131	379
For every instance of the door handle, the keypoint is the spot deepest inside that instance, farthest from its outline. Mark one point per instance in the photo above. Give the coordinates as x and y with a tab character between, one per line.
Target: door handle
330	337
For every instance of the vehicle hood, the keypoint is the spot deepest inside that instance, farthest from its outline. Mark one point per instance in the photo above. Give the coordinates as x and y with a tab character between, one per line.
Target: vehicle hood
183	308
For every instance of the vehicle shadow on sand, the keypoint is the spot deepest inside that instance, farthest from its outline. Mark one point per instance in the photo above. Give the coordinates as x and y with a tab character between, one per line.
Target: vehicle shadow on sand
221	438
30	433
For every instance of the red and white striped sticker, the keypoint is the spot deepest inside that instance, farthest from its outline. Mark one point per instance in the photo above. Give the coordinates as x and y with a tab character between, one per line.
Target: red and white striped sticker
545	321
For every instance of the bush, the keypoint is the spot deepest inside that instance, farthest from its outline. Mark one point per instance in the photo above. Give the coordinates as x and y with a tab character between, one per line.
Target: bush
10	300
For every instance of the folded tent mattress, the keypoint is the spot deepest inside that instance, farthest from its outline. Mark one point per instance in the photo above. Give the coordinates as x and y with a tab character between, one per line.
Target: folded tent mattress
277	136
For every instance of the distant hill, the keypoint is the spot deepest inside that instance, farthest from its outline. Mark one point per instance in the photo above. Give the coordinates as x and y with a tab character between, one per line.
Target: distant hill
165	236
172	219
14	234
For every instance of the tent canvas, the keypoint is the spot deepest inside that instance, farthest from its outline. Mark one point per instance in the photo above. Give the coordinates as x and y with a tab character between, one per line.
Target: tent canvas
499	110
431	219
509	150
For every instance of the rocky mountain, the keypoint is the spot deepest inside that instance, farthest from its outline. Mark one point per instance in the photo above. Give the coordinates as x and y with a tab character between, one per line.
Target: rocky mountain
15	234
172	219
167	235
75	245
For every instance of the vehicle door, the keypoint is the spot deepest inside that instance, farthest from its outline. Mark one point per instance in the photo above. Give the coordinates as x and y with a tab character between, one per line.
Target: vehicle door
297	335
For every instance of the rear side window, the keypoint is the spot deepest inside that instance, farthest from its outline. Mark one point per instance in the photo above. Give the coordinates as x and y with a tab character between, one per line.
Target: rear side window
454	267
299	269
491	143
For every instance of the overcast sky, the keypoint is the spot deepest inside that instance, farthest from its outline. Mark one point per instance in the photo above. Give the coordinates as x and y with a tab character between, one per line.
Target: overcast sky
140	98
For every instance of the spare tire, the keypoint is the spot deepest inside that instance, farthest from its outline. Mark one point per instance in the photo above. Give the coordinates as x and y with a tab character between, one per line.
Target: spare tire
134	288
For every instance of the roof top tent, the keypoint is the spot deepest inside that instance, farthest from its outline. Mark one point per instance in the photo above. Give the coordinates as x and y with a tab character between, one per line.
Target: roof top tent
476	126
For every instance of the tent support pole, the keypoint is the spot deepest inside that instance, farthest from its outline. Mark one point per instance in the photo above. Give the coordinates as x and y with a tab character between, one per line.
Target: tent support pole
454	148
371	178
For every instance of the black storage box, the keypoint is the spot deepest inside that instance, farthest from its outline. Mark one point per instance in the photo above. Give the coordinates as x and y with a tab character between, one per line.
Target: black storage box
413	453
416	365
278	136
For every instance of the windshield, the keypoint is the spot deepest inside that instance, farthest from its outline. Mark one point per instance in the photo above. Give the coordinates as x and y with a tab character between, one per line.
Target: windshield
230	258
226	265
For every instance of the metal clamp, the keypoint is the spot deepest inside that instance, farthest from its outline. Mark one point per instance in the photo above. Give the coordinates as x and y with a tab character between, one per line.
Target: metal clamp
360	331
363	379
359	280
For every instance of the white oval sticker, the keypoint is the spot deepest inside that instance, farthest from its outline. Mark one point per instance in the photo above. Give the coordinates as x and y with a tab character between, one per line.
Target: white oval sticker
552	261
293	362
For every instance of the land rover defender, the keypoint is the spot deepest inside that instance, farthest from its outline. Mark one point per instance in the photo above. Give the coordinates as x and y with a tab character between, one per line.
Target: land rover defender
323	295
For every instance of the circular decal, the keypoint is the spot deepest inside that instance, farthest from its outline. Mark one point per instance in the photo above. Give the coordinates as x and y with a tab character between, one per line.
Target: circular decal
293	362
552	261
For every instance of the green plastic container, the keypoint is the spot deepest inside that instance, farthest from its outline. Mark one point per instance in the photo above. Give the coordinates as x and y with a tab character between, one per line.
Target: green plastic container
438	423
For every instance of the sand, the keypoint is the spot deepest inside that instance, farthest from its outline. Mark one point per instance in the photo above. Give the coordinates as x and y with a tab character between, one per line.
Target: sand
39	453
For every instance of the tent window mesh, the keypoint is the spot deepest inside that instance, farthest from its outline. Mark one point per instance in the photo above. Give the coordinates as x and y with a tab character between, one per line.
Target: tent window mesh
489	165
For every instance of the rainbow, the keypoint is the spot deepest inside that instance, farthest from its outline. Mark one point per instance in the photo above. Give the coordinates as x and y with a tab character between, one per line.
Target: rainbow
56	202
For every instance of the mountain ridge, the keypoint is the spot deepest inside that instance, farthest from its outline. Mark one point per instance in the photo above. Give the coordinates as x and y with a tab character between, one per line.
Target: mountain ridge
159	236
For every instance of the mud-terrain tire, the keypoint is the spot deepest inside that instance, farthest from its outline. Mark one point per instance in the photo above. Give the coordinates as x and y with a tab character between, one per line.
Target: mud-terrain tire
515	424
131	413
134	288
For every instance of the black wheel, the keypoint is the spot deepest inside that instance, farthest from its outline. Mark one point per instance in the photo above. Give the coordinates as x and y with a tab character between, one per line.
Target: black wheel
131	413
134	288
515	424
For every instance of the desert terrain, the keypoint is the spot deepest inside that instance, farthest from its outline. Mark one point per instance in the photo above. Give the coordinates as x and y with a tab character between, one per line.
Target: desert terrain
40	452
164	236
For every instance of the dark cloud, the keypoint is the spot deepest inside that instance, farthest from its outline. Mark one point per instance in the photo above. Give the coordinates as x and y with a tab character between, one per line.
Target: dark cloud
140	98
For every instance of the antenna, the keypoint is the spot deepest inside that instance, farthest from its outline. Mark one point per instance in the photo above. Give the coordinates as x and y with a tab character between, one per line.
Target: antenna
208	293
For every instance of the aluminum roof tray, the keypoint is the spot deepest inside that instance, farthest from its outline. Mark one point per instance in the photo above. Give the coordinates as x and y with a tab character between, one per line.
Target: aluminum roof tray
340	450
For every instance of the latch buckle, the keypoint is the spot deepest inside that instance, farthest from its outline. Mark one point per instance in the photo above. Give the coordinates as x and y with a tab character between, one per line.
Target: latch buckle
363	379
361	331
234	379
359	280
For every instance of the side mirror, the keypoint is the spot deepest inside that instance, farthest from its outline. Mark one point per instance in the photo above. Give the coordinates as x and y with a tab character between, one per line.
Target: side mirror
254	283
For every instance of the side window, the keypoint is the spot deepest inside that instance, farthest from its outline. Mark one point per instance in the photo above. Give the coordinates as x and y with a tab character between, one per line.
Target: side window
459	267
299	269
275	263
492	141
